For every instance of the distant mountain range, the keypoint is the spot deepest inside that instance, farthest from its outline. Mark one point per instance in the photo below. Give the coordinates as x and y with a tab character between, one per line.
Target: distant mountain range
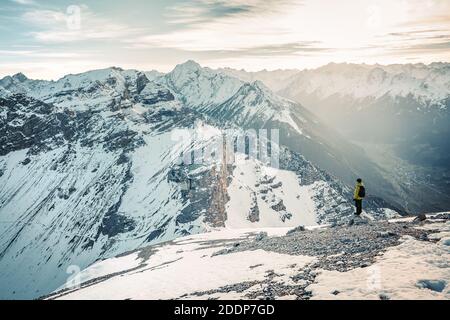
89	164
400	115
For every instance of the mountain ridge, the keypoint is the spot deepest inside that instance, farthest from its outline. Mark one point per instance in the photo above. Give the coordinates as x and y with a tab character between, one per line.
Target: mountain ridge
90	167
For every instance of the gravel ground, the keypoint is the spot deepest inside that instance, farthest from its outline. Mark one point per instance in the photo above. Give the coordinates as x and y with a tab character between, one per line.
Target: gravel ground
340	248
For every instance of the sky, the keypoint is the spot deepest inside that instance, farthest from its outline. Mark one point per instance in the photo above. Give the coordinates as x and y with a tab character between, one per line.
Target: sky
46	39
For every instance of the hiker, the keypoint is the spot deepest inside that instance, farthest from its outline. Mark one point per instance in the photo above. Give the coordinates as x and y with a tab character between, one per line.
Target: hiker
358	196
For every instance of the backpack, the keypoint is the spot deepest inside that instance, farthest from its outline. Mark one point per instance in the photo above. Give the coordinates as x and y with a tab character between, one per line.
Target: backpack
362	192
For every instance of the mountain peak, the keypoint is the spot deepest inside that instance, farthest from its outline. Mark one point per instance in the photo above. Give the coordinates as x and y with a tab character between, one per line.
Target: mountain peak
20	77
260	85
189	65
256	86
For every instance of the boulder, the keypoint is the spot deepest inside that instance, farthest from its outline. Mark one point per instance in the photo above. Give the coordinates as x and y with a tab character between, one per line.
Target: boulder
261	236
386	234
420	217
296	229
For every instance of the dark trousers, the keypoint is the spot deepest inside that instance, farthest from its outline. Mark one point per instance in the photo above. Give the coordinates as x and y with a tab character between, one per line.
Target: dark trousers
358	205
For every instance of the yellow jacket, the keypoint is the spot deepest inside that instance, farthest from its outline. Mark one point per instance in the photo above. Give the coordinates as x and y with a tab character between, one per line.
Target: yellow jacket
356	192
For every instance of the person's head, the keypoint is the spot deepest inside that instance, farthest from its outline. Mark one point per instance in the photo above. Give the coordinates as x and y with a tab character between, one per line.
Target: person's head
359	180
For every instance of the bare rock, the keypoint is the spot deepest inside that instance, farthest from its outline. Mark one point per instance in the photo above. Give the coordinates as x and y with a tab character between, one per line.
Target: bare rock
421	217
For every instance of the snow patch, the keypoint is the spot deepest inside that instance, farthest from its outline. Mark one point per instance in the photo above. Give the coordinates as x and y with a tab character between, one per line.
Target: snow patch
185	267
413	270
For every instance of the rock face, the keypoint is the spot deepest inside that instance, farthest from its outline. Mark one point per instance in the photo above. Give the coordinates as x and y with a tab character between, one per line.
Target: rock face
22	129
253	215
90	168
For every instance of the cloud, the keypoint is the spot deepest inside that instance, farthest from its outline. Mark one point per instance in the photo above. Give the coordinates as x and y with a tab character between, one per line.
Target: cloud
207	25
78	23
414	33
15	52
40	54
202	12
284	49
423	48
45	17
423	36
417	40
252	33
196	12
445	45
24	2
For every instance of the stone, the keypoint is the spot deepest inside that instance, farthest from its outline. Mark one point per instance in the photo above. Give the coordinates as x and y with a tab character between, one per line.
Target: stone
296	229
420	217
435	285
261	236
445	241
424	237
385	234
384	296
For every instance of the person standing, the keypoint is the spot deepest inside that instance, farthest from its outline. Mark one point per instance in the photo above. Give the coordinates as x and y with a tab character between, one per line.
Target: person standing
358	196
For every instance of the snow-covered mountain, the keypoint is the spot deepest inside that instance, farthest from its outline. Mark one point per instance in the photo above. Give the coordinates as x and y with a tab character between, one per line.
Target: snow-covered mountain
399	115
253	105
274	79
428	84
90	167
